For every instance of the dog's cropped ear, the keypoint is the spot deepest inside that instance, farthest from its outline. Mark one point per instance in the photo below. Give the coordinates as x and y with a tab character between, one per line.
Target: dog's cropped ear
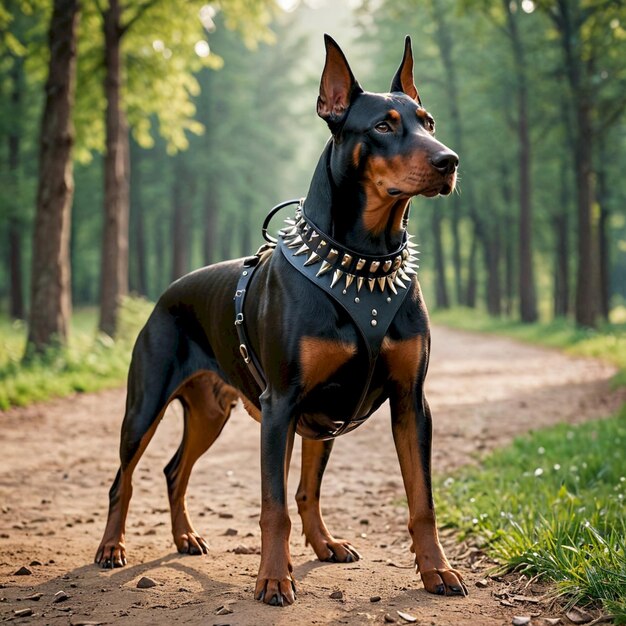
337	86
403	80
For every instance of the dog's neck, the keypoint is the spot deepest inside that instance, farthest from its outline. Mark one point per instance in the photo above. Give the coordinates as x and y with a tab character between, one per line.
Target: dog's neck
336	205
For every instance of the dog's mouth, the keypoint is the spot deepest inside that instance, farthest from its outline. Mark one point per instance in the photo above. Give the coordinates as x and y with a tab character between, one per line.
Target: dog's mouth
444	189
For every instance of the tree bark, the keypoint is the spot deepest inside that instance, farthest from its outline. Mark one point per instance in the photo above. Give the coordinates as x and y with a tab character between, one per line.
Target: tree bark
445	44
183	188
560	223
442	300
50	308
16	293
114	276
472	278
138	274
528	298
603	240
210	223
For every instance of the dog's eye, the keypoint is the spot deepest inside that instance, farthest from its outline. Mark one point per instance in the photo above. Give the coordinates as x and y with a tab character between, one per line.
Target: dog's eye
383	127
429	124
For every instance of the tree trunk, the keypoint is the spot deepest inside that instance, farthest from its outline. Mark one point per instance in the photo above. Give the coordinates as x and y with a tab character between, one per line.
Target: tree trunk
603	240
441	289
226	243
492	266
561	260
472	279
138	274
528	298
50	308
210	223
114	277
445	44
183	188
16	293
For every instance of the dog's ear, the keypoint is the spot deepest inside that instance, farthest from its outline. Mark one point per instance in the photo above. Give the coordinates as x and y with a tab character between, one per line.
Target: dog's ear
337	86
403	80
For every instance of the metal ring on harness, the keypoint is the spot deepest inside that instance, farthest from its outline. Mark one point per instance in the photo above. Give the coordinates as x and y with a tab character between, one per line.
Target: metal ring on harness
271	214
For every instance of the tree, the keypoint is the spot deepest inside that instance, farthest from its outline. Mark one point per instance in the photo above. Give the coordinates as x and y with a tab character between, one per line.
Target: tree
50	283
588	34
174	31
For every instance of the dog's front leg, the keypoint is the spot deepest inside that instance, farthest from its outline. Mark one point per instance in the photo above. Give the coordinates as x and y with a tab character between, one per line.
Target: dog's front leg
275	584
412	433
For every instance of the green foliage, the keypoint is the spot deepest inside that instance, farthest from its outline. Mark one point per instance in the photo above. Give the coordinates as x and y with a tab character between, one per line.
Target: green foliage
89	363
553	504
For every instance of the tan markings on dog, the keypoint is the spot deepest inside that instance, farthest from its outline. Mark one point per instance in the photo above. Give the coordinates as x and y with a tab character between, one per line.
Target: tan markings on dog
422	113
380	207
320	358
394	115
356	154
403	358
250	407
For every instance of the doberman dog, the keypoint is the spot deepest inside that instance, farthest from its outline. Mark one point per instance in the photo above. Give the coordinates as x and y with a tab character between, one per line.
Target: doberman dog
333	325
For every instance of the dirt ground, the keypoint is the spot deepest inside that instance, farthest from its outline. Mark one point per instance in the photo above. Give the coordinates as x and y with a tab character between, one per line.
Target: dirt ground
58	459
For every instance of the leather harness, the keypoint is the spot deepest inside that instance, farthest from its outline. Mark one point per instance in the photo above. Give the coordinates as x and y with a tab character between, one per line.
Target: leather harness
370	289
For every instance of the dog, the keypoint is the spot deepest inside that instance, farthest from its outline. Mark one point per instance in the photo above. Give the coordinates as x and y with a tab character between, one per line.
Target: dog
313	333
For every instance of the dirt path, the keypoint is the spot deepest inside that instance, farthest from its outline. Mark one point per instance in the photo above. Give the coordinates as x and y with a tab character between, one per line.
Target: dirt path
58	459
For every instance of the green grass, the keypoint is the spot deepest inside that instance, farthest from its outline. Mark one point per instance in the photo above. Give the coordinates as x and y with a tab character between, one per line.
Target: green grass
553	503
92	361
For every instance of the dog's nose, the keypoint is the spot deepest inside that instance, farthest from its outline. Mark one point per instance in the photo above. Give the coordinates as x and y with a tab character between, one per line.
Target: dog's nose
445	162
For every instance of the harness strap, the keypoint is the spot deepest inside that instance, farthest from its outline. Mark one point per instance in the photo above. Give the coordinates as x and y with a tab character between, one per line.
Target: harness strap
250	264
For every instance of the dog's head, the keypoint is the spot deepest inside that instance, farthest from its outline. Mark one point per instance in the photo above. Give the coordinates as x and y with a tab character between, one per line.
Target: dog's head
386	139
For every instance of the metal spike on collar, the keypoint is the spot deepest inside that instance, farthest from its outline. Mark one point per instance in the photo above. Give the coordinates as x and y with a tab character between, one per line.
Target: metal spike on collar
336	276
326	266
398	282
382	281
349	279
371	283
314	235
345	262
359	283
332	255
403	274
290	221
396	262
294	243
374	266
387	265
304	248
314	258
410	271
391	285
360	263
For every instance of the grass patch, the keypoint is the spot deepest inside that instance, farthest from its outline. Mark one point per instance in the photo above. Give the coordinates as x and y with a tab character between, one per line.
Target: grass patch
552	504
608	342
92	360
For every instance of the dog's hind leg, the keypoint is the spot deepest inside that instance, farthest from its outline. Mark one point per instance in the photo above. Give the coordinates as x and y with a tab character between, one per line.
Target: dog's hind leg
138	427
151	380
207	402
315	456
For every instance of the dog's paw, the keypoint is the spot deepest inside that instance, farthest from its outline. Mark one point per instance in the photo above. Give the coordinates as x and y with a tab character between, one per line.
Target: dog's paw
111	555
191	543
444	582
275	592
338	552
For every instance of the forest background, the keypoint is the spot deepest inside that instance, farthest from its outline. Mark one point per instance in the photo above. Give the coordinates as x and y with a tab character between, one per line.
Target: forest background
177	126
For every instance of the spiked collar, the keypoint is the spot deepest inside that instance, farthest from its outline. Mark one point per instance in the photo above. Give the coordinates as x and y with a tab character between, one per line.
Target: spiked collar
370	289
384	273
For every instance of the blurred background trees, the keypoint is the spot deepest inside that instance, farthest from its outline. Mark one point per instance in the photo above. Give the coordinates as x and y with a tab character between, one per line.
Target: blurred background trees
192	120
